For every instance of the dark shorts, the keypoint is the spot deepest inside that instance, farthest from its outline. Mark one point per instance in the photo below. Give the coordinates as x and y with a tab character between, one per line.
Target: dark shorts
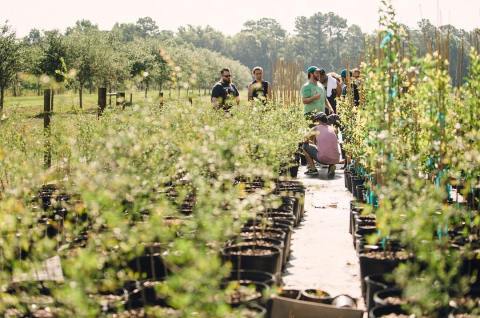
311	150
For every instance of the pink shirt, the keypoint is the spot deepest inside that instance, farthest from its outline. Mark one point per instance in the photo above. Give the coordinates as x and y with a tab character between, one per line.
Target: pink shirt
327	144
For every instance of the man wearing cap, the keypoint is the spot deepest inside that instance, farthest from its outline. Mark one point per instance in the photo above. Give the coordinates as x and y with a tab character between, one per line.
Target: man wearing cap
322	145
314	95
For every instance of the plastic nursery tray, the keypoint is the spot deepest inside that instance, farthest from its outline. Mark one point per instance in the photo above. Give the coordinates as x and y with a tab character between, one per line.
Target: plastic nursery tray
286	308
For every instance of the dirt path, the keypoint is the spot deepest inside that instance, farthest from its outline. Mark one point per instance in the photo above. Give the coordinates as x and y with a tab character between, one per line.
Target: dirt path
322	252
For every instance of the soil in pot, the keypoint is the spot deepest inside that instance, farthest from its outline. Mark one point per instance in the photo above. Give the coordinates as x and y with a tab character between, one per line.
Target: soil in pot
254	311
391	296
265	241
375	261
245	292
251	275
388	312
254	257
375	283
316	296
279	228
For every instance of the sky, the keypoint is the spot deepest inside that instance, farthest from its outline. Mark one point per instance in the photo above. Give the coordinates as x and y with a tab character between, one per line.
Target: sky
227	15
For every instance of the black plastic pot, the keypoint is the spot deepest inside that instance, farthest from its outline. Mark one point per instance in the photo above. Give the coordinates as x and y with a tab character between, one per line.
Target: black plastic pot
279	214
348	180
372	265
264	241
473	199
362	232
143	293
470	267
290	293
359	192
293	171
380	297
356	181
311	296
259	287
151	266
383	311
260	312
346	174
375	283
254	276
243	257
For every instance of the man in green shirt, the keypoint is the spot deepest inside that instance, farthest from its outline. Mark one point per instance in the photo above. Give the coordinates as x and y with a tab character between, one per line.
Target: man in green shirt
314	95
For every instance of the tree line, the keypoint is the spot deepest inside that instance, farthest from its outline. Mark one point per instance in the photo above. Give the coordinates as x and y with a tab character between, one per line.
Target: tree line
141	54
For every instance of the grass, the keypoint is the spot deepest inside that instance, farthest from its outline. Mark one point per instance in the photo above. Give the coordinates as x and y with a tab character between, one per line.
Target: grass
31	106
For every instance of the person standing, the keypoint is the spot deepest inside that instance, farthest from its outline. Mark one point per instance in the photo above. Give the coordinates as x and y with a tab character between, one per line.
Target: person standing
259	88
224	92
355	86
345	80
313	95
333	85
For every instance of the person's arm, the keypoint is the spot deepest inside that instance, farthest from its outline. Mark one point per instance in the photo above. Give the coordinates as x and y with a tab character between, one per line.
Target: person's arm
216	97
339	87
310	137
308	100
329	106
215	102
237	95
250	92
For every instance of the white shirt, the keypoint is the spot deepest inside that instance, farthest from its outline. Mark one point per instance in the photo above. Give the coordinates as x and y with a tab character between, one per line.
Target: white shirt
331	85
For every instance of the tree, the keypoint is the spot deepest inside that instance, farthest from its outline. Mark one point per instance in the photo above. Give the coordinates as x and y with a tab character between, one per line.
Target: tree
320	38
82	48
204	37
259	44
34	37
147	27
82	26
10	54
53	55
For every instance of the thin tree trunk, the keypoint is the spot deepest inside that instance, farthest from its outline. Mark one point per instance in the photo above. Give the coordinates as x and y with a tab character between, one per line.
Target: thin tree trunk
14	90
80	95
110	95
146	90
2	95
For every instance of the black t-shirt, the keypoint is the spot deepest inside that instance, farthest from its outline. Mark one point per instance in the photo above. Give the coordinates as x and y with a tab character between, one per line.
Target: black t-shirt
224	92
260	91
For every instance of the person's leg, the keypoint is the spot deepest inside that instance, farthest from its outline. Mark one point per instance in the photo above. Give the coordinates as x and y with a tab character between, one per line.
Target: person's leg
310	152
331	171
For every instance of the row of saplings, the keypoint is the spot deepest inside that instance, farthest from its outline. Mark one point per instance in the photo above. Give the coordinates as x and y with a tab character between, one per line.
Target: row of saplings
258	254
383	298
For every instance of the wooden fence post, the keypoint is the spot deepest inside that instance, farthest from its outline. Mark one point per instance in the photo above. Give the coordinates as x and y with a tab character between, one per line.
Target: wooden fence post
47	113
102	100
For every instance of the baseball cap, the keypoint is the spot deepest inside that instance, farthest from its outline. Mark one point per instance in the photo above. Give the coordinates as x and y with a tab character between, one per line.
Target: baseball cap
312	69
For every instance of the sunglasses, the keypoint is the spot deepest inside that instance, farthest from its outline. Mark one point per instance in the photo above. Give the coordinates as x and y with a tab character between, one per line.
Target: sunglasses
227	75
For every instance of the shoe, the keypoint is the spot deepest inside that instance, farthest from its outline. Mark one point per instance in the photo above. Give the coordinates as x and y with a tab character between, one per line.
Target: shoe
331	171
311	172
